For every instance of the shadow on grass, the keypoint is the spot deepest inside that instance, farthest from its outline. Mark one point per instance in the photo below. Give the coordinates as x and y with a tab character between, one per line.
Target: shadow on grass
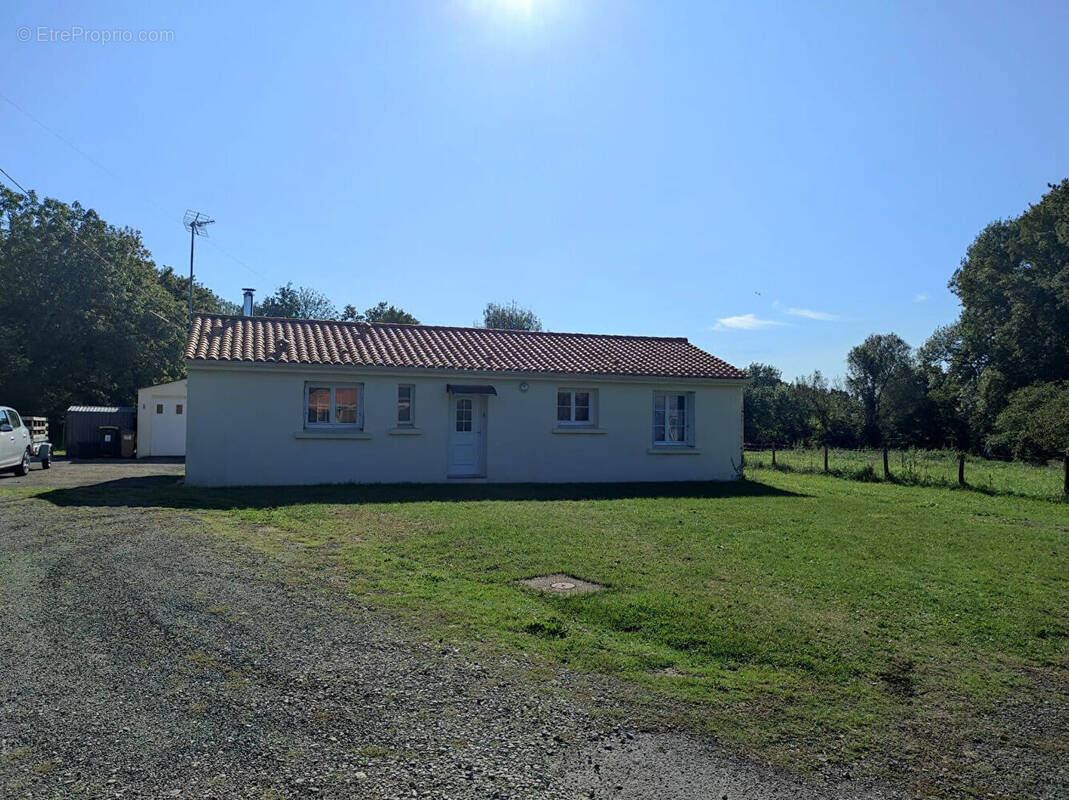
167	492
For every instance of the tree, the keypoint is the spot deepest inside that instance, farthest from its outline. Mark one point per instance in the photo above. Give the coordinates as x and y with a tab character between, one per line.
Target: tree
1034	426
84	315
872	366
379	313
204	299
829	409
953	378
1013	285
510	317
301	302
770	410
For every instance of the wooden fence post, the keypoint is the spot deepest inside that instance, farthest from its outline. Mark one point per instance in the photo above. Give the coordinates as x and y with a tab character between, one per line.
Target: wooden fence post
961	468
886	468
825	459
773	454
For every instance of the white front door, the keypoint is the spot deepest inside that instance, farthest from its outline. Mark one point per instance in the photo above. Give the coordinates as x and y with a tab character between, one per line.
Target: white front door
467	421
168	426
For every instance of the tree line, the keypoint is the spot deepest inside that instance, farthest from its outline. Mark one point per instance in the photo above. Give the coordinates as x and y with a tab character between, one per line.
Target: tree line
87	317
995	382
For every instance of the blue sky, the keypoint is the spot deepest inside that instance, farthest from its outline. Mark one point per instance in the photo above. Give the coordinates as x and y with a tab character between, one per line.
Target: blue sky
772	181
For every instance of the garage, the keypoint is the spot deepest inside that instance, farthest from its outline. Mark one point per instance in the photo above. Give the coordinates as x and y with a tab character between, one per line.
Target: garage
161	420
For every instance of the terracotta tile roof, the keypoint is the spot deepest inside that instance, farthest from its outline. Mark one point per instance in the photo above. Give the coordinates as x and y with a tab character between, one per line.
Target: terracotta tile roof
270	340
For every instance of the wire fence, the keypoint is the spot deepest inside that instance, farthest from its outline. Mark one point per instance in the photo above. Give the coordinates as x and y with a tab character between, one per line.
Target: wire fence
918	467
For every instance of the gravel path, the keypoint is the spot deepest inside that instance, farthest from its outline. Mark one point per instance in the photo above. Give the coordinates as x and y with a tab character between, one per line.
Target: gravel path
138	660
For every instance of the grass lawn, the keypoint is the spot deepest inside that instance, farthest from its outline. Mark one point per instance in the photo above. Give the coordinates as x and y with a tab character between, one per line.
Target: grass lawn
894	629
924	468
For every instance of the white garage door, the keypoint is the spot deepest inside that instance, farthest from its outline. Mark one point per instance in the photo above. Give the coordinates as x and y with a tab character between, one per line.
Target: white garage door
168	426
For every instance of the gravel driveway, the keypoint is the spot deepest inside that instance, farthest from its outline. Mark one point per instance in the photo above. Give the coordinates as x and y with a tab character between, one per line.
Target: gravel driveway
140	659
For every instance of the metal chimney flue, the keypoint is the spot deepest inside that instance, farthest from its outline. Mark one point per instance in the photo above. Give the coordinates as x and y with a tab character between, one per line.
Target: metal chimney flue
246	307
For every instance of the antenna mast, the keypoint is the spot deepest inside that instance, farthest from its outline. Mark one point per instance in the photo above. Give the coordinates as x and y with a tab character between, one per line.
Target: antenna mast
194	222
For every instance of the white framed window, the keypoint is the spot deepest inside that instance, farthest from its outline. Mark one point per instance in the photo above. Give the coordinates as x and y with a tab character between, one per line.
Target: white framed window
577	407
338	405
159	408
464	410
406	405
673	418
178	409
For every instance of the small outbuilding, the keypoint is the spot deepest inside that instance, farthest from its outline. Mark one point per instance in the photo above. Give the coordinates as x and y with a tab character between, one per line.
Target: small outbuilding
100	431
161	420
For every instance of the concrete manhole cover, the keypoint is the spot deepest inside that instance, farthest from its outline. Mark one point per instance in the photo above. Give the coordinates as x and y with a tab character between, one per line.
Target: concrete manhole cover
561	584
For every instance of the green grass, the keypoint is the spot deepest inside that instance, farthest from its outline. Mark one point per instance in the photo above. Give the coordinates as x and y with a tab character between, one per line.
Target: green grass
809	618
923	468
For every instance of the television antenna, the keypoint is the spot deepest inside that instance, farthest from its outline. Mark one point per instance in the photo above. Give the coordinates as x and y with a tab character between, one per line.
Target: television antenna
194	222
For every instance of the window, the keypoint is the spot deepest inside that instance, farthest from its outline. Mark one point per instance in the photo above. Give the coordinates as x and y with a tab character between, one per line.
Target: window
178	409
159	408
463	415
340	405
673	422
13	418
405	396
575	406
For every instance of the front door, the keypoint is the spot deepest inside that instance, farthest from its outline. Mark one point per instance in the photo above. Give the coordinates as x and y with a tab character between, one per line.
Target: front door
467	421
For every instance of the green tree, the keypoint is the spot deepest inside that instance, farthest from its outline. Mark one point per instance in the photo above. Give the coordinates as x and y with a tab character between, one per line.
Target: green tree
768	407
204	299
876	364
1013	285
84	316
1034	426
510	317
379	313
830	411
301	302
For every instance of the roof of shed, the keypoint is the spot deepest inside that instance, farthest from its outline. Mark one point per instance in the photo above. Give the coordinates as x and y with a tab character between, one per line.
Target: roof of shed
273	340
103	409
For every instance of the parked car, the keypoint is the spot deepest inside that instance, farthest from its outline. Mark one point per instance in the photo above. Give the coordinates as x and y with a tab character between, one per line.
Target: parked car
19	444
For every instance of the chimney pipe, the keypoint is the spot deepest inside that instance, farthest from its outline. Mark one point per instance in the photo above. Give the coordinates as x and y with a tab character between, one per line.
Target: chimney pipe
246	307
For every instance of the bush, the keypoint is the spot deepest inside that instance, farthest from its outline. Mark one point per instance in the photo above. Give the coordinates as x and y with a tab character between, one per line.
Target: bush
1034	426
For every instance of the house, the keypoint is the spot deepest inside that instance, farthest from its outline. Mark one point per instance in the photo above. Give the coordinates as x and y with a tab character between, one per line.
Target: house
292	401
161	420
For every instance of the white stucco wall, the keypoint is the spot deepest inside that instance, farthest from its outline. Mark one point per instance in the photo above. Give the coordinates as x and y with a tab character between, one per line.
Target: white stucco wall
168	393
244	426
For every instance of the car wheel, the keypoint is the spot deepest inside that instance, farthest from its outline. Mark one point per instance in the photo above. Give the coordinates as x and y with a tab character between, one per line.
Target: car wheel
46	462
24	466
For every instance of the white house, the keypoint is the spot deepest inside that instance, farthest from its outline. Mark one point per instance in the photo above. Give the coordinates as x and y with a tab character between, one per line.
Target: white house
288	401
161	420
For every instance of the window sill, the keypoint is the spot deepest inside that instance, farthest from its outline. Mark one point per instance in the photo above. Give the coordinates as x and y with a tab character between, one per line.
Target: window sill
405	432
578	430
674	450
331	435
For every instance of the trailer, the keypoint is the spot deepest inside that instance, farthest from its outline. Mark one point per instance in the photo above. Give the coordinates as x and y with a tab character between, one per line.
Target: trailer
40	447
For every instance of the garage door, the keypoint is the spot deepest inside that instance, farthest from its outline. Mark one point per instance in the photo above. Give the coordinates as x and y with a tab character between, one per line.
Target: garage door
168	426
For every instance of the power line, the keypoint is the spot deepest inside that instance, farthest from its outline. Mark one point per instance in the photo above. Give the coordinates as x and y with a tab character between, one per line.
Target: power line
114	175
14	181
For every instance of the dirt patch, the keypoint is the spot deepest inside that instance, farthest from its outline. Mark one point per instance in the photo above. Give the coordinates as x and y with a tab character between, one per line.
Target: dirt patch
560	583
